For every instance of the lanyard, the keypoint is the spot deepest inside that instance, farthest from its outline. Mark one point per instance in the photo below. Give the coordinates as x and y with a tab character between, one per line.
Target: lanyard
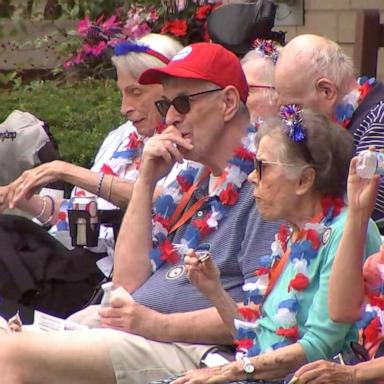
175	221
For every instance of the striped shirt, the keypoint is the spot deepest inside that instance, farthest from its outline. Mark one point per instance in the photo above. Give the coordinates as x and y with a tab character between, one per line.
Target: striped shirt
367	128
241	239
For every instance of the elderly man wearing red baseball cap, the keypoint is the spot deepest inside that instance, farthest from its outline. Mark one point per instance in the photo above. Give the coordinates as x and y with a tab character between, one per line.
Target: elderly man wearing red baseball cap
200	83
166	325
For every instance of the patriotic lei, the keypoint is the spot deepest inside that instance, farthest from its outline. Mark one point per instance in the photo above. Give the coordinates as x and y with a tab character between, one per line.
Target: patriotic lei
302	251
226	194
371	324
348	105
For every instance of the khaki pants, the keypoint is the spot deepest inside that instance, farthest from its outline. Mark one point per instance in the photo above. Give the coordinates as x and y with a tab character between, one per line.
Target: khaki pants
137	360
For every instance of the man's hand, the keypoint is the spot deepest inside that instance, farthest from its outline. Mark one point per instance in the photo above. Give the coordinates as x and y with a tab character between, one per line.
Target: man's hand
26	184
126	315
214	375
203	275
161	152
326	372
361	192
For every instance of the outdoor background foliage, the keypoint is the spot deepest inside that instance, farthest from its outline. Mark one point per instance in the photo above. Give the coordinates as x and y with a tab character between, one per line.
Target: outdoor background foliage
81	103
80	115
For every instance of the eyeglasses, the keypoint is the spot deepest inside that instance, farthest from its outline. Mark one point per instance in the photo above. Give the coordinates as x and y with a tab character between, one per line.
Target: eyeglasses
260	163
181	103
264	86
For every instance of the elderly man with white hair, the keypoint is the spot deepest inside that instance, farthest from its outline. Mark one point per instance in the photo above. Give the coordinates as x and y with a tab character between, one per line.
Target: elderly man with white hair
315	72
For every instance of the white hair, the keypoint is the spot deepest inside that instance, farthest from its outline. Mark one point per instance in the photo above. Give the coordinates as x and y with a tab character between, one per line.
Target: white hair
136	62
266	73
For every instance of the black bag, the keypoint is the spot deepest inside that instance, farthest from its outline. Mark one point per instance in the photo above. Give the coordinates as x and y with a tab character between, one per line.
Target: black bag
236	26
37	271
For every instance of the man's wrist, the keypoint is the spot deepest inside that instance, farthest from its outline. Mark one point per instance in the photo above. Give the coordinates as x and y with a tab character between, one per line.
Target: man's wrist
217	296
144	182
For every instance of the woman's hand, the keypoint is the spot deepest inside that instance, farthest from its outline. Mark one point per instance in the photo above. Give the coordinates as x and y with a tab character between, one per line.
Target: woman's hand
5	196
25	185
326	372
361	192
203	275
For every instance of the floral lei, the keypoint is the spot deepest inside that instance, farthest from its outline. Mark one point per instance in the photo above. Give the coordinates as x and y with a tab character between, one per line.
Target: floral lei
348	105
302	251
226	194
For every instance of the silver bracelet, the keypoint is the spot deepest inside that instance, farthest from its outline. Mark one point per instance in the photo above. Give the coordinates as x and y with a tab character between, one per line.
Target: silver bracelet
52	213
41	214
100	184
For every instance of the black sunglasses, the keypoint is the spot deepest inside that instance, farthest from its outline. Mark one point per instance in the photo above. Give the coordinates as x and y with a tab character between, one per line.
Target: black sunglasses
181	103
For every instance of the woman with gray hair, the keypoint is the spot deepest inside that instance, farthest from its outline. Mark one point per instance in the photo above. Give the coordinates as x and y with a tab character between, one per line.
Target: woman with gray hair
259	68
300	176
110	179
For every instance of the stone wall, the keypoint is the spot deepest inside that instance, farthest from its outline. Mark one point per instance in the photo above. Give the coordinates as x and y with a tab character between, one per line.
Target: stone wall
336	20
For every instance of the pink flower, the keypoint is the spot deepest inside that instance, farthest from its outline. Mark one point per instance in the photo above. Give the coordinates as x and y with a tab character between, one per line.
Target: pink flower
95	50
153	16
111	23
68	64
181	4
138	31
83	26
79	58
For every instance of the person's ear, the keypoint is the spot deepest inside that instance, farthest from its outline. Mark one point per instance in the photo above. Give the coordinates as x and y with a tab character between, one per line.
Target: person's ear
327	88
231	102
305	181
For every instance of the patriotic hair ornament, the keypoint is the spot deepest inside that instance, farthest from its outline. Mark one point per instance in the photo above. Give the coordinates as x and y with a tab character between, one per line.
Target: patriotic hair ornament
126	47
267	48
292	116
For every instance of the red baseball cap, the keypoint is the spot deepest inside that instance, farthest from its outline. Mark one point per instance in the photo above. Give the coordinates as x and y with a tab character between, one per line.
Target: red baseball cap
205	61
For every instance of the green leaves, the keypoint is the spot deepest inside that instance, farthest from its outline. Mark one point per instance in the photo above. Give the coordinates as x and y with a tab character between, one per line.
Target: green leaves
80	115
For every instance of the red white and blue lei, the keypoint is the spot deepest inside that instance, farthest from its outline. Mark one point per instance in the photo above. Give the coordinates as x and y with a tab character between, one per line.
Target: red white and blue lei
302	252
348	105
223	196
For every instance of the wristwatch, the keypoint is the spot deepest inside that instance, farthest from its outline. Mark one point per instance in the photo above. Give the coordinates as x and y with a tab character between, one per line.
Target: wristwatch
248	367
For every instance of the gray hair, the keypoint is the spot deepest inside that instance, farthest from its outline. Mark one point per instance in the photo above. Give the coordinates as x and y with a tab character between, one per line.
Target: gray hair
327	148
136	63
267	73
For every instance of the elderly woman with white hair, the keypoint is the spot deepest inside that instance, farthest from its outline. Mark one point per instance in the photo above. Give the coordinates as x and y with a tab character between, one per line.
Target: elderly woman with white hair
259	68
300	176
110	180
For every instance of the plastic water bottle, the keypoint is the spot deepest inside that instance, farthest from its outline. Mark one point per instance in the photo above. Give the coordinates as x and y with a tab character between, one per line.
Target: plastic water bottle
112	292
107	288
370	163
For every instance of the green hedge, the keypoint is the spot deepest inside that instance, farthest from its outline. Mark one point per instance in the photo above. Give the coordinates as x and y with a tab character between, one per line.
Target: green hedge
79	115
